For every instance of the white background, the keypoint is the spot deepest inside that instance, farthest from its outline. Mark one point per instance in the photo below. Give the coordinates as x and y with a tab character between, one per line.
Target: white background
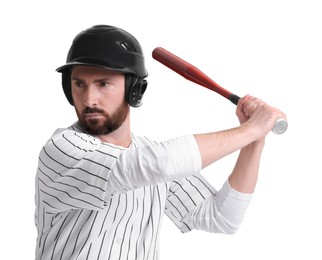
270	49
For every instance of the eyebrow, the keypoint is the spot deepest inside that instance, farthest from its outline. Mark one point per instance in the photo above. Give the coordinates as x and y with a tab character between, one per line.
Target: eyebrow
75	78
96	80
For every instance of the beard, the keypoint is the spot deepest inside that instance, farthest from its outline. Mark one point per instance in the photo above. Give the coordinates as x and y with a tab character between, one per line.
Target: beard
111	122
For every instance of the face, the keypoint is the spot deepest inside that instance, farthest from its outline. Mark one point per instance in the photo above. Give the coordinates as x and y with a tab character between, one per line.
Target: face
98	96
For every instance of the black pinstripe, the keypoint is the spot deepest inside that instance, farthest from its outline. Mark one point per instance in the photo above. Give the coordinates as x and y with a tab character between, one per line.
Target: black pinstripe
77	219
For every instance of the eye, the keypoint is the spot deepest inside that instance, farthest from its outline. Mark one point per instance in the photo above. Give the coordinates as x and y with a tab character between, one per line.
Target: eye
78	83
103	84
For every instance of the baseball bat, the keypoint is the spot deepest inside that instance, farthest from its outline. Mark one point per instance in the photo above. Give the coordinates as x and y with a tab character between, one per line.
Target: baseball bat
195	75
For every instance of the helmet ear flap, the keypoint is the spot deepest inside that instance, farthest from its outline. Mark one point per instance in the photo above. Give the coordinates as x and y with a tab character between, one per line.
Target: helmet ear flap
66	75
134	90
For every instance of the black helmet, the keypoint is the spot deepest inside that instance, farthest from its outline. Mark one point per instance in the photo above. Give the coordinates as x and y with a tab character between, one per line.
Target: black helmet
107	47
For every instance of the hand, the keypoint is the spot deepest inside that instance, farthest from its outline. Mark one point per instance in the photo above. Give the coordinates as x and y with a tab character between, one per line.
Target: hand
257	114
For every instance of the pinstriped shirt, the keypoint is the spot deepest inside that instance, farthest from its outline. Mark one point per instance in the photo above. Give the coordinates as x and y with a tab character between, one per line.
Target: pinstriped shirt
95	200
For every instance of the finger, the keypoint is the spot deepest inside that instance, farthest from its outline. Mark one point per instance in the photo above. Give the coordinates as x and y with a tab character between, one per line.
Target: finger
251	105
242	102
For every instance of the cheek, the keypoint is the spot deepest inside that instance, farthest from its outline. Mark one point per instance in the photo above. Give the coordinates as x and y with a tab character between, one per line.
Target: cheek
114	99
78	108
76	101
74	95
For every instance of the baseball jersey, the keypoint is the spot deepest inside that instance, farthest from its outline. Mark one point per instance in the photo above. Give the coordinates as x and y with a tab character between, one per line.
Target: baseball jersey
96	200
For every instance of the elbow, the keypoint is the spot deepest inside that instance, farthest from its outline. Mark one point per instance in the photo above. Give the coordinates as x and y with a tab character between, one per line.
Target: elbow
228	229
224	226
217	223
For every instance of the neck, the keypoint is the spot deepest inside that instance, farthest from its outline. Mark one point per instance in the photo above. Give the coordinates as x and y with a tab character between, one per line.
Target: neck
121	136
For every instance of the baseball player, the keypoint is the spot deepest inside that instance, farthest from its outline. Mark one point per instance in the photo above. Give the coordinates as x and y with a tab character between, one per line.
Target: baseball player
101	191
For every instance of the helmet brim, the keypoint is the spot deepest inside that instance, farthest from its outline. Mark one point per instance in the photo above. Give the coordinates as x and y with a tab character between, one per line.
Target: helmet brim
69	65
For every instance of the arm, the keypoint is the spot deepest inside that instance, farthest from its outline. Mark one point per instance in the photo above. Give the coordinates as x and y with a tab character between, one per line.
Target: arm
79	171
256	119
194	204
224	212
244	175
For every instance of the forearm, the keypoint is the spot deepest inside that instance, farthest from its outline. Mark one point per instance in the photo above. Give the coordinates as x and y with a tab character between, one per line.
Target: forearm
244	175
213	146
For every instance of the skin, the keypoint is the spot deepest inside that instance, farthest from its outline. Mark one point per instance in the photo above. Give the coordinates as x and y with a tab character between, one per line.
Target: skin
97	89
257	119
104	89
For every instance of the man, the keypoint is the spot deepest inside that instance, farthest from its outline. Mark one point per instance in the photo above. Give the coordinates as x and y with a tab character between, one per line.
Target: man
101	191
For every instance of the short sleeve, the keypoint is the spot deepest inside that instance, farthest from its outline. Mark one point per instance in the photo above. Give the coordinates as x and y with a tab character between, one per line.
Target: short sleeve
184	196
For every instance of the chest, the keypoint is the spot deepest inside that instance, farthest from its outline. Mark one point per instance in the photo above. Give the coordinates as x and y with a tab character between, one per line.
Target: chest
138	206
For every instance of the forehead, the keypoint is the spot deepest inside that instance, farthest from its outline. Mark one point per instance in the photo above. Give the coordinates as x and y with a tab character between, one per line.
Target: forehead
93	71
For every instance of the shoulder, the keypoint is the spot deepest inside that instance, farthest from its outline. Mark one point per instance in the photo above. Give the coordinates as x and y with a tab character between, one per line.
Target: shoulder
73	134
141	141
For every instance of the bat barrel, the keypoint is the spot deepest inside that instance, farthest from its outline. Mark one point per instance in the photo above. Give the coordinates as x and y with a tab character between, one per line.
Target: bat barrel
189	71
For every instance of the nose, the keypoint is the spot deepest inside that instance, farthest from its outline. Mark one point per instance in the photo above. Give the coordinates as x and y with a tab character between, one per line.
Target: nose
91	96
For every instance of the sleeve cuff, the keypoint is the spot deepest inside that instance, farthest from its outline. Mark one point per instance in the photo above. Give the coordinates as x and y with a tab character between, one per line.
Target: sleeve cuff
236	194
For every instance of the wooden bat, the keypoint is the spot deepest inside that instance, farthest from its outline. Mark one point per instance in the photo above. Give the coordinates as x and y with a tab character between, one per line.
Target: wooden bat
195	75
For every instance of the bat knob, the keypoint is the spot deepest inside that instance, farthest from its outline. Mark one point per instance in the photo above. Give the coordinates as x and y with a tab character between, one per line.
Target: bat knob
280	126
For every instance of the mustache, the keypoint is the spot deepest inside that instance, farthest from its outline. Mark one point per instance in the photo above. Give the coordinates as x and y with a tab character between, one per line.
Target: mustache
91	110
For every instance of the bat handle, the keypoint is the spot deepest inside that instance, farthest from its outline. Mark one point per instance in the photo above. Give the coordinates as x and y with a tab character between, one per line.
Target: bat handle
234	98
280	125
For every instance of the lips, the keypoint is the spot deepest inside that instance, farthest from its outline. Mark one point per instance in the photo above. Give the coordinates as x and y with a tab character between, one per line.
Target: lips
93	115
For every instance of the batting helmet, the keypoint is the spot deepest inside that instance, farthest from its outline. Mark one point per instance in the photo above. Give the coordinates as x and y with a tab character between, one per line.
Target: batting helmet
111	48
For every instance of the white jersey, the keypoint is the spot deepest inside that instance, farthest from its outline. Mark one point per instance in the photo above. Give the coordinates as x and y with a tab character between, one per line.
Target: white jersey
95	200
